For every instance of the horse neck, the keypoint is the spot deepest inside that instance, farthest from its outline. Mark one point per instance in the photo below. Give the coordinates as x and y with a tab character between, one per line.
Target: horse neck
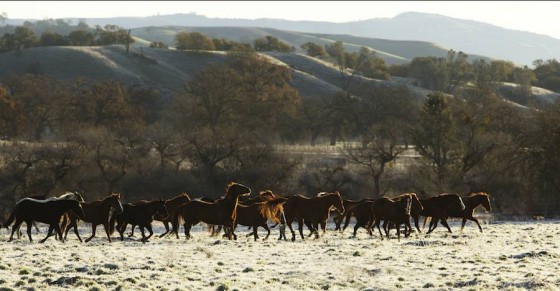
471	202
330	200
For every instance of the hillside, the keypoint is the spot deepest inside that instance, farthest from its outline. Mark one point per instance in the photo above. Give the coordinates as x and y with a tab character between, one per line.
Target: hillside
169	69
393	52
471	37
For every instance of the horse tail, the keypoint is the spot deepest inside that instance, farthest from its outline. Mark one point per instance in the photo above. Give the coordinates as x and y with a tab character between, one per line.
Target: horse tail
175	220
112	224
272	208
10	220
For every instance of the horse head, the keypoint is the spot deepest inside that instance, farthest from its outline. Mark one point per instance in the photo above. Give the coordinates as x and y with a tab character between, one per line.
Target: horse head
416	202
161	209
485	201
78	210
339	203
116	203
234	190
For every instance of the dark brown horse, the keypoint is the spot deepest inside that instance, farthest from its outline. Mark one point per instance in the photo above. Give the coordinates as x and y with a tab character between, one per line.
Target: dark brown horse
397	212
362	211
349	211
140	213
66	196
171	206
471	201
438	208
49	212
96	213
416	206
258	213
312	211
221	212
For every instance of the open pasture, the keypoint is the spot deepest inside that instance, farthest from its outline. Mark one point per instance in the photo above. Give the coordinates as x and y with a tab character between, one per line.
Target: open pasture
508	255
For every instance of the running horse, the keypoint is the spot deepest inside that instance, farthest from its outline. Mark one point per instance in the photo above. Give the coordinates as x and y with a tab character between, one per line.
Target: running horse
471	201
396	211
438	207
95	212
171	206
140	213
221	212
45	211
312	211
66	196
257	214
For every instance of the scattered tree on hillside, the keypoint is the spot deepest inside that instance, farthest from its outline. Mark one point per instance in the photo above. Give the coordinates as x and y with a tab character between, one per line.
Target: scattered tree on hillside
314	50
193	41
158	44
270	43
547	74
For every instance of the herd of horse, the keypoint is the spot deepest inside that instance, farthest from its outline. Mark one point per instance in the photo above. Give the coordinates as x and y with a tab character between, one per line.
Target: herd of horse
236	208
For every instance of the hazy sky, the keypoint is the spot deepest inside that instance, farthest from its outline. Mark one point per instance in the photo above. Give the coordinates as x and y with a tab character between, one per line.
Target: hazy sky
533	16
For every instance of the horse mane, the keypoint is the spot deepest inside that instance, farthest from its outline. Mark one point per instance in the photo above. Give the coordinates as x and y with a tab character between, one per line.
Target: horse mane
271	208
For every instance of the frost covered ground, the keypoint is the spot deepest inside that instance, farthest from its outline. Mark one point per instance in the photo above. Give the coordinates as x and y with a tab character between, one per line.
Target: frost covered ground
508	255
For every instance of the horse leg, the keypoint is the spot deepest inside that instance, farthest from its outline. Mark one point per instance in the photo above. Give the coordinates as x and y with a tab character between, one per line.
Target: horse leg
59	231
337	222
143	239
106	226
416	218
476	220
93	230
444	222
131	234
377	222
150	230
347	218
425	220
324	226
398	231
463	224
292	230
35	225
121	227
386	228
409	228
29	225
75	231
265	226
433	224
166	229
49	233
187	227
312	227
356	227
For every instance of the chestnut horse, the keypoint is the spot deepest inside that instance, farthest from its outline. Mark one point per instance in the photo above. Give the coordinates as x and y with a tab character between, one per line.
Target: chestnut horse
312	211
471	201
140	213
257	214
221	212
48	212
438	208
95	212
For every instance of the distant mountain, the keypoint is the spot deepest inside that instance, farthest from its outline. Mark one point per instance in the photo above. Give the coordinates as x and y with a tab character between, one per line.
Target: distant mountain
471	37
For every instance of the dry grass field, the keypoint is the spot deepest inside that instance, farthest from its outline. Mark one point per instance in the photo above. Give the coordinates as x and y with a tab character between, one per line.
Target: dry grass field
507	256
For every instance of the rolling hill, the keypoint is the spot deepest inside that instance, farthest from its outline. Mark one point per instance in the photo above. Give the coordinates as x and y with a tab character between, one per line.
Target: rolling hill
165	68
471	37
